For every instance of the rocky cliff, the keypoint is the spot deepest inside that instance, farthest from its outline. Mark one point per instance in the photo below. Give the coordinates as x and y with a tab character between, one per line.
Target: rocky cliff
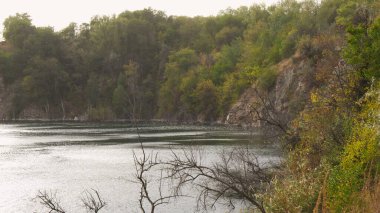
296	77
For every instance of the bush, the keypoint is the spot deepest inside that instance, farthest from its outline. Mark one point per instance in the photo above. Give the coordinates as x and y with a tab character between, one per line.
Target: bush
342	184
359	154
267	79
296	192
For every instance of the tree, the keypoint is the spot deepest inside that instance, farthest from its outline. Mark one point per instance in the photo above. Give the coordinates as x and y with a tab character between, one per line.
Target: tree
188	97
227	35
207	100
43	43
226	61
46	82
179	64
135	95
119	101
9	75
92	90
363	46
17	29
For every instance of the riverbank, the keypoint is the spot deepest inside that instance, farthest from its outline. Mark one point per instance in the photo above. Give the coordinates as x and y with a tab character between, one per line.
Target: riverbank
135	122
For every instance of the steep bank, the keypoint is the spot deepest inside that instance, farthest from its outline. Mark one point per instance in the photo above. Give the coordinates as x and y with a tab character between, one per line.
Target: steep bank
289	95
296	78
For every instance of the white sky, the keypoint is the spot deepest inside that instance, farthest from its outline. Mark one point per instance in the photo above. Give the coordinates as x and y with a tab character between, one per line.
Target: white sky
59	13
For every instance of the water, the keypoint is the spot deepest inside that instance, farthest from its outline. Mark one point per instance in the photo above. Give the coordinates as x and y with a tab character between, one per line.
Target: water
69	158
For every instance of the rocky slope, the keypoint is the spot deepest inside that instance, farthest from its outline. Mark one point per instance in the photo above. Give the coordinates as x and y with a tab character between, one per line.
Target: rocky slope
296	77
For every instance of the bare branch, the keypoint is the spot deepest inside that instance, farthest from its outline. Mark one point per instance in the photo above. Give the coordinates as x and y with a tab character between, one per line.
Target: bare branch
239	176
265	112
143	165
92	201
49	200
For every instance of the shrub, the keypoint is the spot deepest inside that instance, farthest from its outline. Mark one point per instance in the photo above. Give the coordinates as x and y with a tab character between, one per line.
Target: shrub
297	190
347	178
266	79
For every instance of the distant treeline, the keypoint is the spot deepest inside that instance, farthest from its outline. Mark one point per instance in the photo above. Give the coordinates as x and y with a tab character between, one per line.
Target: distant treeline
152	65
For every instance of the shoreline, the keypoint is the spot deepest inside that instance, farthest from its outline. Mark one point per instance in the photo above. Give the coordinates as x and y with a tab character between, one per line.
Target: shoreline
128	121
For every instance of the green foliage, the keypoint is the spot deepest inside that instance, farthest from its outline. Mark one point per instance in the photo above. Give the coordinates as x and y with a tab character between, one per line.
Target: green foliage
188	96
362	147
184	59
230	91
45	80
5	68
17	29
119	101
342	184
43	42
100	113
179	64
226	61
266	79
363	48
327	13
146	64
172	56
227	35
296	193
18	102
339	130
360	156
347	178
92	90
207	97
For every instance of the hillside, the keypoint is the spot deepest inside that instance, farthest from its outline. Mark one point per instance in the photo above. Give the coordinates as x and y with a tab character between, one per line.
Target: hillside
157	66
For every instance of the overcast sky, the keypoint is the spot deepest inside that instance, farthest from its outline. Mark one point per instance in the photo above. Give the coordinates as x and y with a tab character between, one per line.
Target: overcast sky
59	13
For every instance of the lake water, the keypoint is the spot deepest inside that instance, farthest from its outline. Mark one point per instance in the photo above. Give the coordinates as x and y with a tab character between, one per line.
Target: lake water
68	158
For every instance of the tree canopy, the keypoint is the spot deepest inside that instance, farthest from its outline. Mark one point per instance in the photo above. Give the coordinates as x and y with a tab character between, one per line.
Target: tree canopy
178	59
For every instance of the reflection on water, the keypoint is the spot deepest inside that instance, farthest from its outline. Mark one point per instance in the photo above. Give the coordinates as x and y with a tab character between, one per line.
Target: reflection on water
70	157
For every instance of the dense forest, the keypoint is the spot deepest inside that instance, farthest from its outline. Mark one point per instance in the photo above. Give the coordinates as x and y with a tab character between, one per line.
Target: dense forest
147	65
159	66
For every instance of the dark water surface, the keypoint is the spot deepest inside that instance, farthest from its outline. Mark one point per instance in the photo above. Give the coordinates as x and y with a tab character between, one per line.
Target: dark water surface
68	158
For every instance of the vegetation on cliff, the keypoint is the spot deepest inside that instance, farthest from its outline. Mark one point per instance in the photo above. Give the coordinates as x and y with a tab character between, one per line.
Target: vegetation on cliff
333	155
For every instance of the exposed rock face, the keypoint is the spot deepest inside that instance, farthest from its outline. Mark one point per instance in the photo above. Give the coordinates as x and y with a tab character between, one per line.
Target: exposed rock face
293	85
240	113
289	95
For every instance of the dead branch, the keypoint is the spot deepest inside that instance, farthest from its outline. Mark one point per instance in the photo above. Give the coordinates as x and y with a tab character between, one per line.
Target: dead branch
143	166
147	162
238	176
265	112
49	200
92	201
